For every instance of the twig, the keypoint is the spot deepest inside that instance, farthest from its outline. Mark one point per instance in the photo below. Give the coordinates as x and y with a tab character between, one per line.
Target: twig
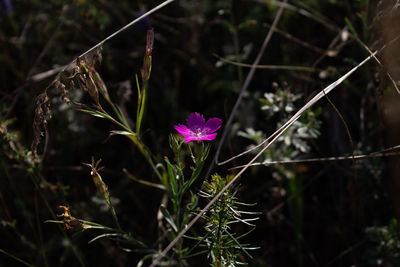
43	75
269	67
297	40
377	61
382	153
306	13
344	123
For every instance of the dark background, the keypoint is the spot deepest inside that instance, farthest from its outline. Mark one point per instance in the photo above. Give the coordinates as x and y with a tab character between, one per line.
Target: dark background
339	200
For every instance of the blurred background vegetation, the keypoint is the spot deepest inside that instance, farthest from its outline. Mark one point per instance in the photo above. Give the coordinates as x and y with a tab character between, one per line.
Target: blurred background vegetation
335	213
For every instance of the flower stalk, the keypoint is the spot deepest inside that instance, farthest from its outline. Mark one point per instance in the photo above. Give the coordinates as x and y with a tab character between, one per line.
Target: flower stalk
102	188
145	72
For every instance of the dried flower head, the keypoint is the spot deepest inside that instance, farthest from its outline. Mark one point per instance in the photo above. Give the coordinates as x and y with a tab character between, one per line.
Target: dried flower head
70	222
198	129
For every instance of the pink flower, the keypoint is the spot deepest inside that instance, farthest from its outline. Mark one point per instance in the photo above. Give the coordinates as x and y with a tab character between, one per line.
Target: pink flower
197	129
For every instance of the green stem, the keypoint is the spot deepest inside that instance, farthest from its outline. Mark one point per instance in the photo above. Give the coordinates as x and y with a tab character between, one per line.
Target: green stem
114	214
146	155
142	108
135	139
236	44
144	182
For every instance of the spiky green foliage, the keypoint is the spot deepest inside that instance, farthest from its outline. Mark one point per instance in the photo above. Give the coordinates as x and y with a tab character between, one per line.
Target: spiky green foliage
225	247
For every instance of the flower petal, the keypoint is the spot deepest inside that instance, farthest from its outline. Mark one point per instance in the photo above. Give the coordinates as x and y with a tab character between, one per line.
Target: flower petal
209	136
195	121
190	138
183	130
213	124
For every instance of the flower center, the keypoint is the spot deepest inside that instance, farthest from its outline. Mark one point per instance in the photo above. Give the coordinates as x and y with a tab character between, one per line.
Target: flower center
199	131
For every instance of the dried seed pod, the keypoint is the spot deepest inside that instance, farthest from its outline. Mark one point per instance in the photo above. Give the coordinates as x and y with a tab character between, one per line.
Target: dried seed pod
98	181
145	71
70	222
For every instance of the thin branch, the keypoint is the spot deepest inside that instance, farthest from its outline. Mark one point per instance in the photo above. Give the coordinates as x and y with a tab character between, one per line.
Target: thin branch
322	20
377	61
344	123
43	75
383	153
297	40
269	67
332	50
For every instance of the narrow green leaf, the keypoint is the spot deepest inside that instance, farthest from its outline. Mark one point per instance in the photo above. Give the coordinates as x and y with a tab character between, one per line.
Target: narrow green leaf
239	245
53	221
172	178
95	113
119	114
168	218
195	175
197	245
126	133
138	91
104	235
144	182
142	108
128	239
351	28
93	225
195	254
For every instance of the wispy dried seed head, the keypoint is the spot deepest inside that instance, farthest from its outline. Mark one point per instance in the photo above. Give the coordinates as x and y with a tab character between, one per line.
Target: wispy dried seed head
42	115
70	222
79	73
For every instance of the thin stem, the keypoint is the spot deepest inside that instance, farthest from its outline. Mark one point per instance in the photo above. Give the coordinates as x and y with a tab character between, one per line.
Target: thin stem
114	214
142	107
136	140
236	44
127	26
